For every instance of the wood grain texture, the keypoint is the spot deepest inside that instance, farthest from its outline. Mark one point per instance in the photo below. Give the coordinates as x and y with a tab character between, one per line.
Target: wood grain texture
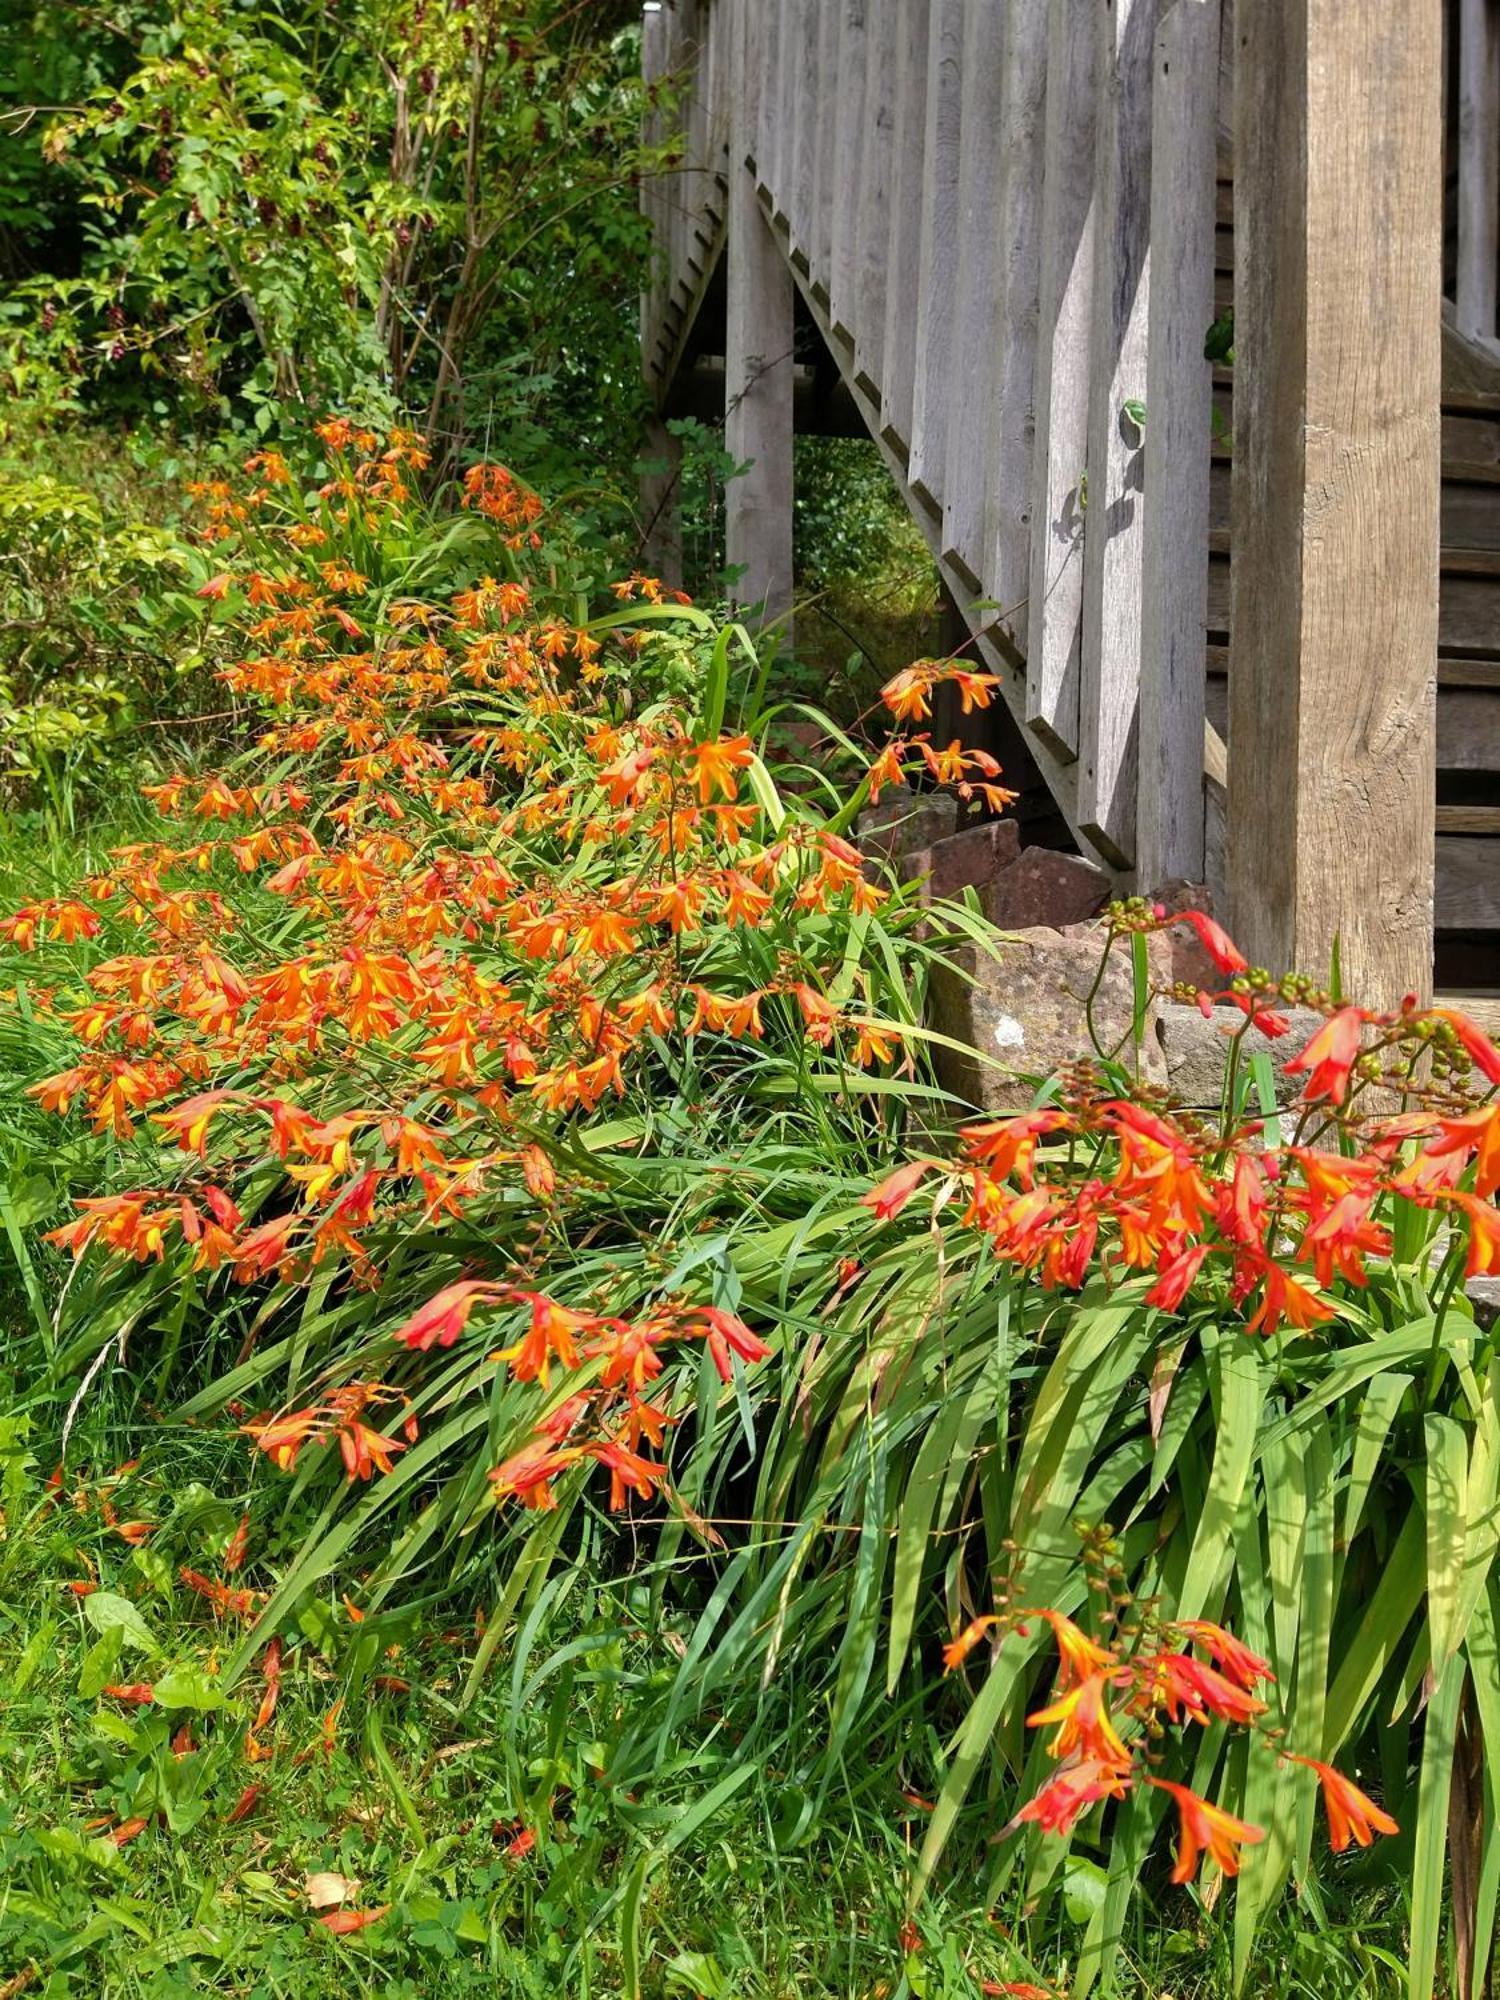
758	381
1055	596
904	243
849	110
1010	446
1468	883
811	111
971	374
820	256
877	165
1179	403
1114	542
1338	226
784	154
938	261
1478	252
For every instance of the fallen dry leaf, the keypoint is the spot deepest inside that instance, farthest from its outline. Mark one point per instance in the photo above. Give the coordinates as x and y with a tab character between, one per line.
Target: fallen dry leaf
324	1889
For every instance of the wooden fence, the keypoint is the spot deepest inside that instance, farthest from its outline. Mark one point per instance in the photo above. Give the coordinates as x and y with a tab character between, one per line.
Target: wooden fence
1014	223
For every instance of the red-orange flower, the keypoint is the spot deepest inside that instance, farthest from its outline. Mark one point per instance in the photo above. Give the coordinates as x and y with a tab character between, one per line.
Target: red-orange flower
1351	1814
1204	1827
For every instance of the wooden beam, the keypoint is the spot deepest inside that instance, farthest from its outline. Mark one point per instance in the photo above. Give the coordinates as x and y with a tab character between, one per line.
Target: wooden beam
1179	407
1055	598
1478	257
1338	232
820	254
849	110
812	112
873	195
757	378
1113	540
938	262
971	374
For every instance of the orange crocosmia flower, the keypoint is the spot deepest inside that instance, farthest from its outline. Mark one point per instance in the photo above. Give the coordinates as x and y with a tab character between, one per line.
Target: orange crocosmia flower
974	690
896	1190
1078	1655
364	1450
1083	1723
244	1805
138	1692
239	1542
905	694
726	1332
553	1332
1477	1045
1473	1137
446	1313
1008	1148
1484	1233
343	1922
1181	1683
1177	1273
1233	1656
1206	1827
135	1532
127	1831
1330	1056
282	1438
819	1015
528	1474
714	765
959	1648
1215	940
628	1471
1351	1814
1285	1299
1072	1791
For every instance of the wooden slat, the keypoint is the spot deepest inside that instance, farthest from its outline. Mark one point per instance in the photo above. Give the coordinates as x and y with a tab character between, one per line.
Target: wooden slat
1338	361
1113	528
904	242
788	46
1179	401
1467	890
653	197
811	114
971	373
1471	819
1452	670
1055	598
825	185
849	148
1010	443
1478	166
1470	503
877	162
938	262
1468	730
764	53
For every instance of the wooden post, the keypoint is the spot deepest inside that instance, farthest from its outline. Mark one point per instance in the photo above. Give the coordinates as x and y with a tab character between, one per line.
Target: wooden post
1179	428
757	375
1478	166
1338	244
661	512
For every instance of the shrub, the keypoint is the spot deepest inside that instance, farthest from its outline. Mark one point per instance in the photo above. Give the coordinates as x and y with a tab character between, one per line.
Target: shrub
492	1068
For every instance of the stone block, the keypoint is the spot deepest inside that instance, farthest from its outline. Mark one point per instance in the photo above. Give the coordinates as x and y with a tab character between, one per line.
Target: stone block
967	860
1044	887
1019	1012
1194	1049
1188	963
905	822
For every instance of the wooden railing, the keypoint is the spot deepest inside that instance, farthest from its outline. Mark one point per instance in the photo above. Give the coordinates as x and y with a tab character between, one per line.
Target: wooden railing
1008	220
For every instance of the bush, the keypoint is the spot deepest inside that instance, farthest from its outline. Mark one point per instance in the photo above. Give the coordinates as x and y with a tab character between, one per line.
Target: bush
488	1074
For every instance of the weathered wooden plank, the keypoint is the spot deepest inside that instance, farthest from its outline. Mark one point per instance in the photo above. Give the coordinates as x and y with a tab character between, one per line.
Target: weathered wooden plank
789	47
757	380
825	186
904	240
1010	444
1472	819
1179	404
1478	258
972	372
661	513
1468	729
877	162
938	260
764	27
653	196
1338	226
811	115
1453	671
1114	543
1468	883
1055	598
843	284
1470	502
1468	608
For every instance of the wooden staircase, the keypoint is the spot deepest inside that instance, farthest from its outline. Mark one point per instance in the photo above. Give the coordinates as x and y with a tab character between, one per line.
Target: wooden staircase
1009	223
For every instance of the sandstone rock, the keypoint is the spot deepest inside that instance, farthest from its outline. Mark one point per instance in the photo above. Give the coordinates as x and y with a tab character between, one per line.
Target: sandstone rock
1020	1010
965	860
1484	1296
905	822
1044	887
1194	1049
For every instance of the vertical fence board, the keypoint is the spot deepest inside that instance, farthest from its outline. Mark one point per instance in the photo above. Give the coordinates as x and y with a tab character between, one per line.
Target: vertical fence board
811	111
1179	429
825	180
1011	430
1335	489
849	148
763	28
653	201
877	163
784	153
1478	165
1054	613
938	260
904	252
971	374
1114	517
